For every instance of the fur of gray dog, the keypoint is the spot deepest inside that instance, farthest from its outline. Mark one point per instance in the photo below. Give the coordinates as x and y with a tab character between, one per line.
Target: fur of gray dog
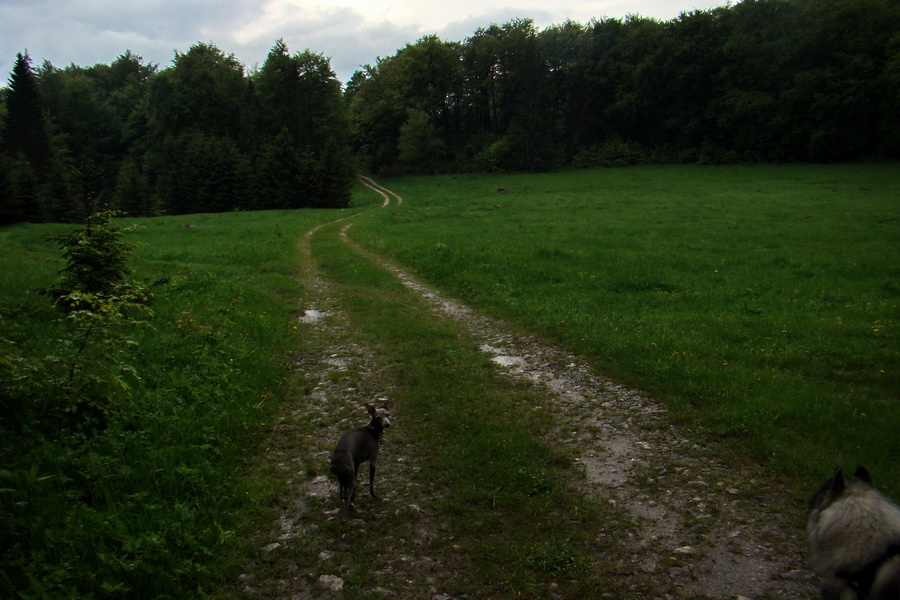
854	539
355	447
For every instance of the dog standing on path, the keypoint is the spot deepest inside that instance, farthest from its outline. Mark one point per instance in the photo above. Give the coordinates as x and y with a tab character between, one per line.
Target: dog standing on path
355	447
854	538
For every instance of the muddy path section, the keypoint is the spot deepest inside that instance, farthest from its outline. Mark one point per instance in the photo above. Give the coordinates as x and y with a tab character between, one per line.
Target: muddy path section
314	550
704	528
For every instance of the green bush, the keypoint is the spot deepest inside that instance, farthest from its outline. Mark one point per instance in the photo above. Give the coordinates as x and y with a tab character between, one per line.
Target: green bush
615	152
495	157
75	382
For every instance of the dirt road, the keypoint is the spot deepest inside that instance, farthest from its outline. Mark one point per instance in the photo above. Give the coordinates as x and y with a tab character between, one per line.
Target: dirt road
704	528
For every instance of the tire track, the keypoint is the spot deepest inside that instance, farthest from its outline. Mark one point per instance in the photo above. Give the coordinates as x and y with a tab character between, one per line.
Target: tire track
385	193
705	528
313	543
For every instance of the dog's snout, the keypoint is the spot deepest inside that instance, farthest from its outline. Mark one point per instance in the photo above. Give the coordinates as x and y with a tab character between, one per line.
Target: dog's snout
387	422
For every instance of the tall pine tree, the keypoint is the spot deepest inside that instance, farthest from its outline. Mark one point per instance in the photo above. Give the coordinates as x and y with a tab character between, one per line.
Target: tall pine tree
300	98
26	146
25	131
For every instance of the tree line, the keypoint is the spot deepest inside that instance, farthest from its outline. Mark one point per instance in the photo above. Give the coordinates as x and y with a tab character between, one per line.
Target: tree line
762	80
201	136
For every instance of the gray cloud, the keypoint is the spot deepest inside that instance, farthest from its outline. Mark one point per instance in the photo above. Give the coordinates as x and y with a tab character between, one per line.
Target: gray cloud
86	32
342	34
97	32
460	30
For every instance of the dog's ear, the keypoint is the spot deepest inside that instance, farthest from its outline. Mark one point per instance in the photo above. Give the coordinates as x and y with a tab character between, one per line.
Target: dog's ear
384	405
370	408
863	474
837	482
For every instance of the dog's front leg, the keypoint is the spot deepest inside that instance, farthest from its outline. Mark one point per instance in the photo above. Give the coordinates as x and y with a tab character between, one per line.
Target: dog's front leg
372	478
833	588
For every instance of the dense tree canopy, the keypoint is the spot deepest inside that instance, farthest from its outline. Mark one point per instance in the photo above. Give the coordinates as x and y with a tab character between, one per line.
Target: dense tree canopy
762	80
200	136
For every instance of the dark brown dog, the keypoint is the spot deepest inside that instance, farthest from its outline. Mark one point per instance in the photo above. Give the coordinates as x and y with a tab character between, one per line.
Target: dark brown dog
355	447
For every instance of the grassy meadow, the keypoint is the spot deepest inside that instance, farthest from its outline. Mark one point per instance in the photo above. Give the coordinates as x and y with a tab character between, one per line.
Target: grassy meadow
143	505
759	303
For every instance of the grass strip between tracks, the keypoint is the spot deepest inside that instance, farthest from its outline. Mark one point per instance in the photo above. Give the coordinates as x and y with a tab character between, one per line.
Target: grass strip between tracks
506	493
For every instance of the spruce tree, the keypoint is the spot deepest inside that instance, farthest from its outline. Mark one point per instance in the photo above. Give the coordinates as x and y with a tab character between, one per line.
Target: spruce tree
25	131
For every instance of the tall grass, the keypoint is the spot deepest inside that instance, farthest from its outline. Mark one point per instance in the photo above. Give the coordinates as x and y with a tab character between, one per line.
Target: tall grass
142	506
759	302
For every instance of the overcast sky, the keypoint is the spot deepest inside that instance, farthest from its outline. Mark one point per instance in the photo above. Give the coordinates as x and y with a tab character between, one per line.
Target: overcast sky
351	32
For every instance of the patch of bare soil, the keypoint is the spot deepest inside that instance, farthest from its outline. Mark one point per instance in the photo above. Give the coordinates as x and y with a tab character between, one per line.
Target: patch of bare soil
698	527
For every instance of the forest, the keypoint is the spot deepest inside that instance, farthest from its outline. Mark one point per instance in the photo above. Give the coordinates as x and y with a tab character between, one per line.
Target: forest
757	81
199	136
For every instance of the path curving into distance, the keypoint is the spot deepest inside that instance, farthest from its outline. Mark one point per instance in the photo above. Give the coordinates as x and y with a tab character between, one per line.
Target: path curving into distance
383	191
705	527
697	526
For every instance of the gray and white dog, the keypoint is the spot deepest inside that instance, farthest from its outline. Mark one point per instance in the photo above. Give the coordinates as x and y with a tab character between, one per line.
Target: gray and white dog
854	539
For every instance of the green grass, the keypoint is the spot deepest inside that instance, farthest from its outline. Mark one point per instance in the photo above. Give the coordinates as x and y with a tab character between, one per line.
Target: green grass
760	303
146	505
505	493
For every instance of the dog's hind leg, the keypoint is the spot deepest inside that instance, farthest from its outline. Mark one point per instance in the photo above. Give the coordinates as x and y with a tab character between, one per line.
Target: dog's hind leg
353	483
372	479
351	493
347	485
